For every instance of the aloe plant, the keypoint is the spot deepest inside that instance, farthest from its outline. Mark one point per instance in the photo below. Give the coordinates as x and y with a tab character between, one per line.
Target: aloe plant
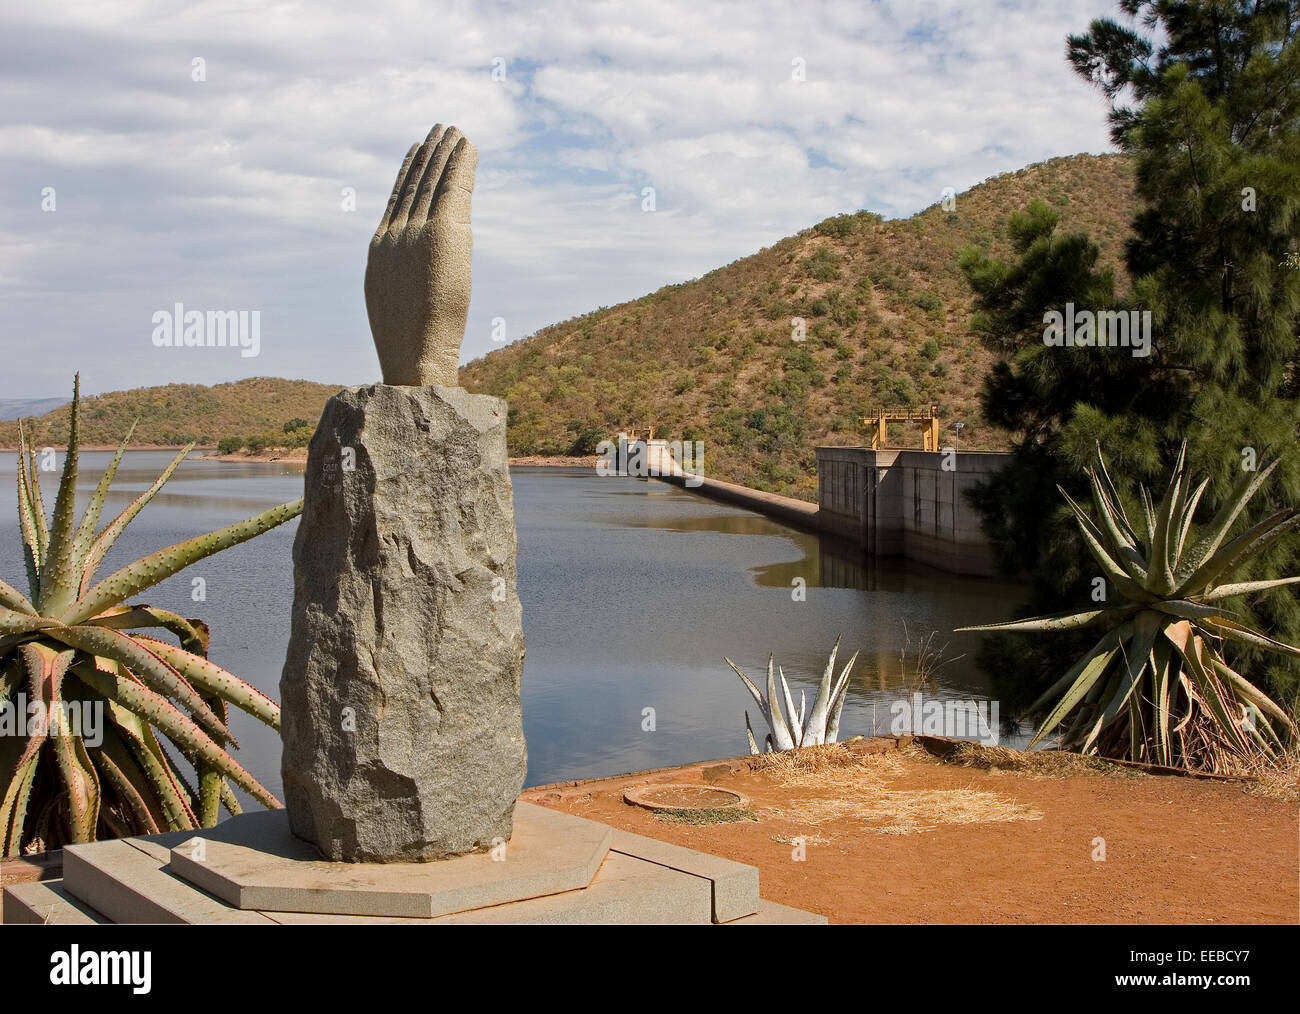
1156	686
791	730
72	641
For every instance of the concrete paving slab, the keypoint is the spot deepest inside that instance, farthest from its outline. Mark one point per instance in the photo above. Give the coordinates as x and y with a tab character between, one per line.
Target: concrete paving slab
254	862
641	881
46	902
160	845
733	886
127	885
326	919
770	913
626	892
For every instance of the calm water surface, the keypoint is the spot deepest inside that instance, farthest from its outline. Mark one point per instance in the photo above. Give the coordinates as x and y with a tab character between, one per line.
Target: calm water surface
632	593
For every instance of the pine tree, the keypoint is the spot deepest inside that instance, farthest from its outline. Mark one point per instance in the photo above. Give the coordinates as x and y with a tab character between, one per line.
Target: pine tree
1211	118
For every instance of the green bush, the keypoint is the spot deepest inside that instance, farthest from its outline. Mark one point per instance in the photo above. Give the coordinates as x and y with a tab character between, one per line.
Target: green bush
902	391
799	358
822	265
838	226
826	333
843	226
792	384
846	315
299	437
585	441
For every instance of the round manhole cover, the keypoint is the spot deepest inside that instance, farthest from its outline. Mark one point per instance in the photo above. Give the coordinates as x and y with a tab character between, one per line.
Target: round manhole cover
684	797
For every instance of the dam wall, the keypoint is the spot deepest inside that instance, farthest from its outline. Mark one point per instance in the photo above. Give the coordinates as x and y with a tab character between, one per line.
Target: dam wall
908	503
888	503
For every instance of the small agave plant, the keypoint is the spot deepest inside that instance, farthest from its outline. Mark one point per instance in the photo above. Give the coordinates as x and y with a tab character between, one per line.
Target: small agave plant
790	730
1156	686
73	643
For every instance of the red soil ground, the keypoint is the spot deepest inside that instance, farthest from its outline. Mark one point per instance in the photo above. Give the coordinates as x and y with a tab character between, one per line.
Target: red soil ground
885	841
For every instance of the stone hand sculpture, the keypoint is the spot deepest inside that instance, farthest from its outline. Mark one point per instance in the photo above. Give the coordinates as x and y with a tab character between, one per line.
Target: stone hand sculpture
418	271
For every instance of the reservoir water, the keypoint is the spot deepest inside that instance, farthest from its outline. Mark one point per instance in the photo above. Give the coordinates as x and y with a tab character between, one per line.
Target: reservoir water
633	591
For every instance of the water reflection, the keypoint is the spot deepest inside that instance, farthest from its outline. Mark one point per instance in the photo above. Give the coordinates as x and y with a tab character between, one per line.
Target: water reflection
632	593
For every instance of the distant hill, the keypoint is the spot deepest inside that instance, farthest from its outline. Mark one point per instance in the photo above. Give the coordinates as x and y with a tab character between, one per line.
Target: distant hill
21	408
887	316
175	414
887	312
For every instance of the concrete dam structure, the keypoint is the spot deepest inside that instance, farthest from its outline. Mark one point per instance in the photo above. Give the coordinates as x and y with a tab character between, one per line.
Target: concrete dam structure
897	502
907	503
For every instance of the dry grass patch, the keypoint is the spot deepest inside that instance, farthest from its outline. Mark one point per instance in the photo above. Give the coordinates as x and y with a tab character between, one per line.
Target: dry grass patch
1267	779
832	785
828	767
699	818
1279	781
1038	764
907	811
800	839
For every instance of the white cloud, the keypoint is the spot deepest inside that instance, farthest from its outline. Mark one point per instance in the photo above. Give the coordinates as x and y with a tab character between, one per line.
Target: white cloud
229	189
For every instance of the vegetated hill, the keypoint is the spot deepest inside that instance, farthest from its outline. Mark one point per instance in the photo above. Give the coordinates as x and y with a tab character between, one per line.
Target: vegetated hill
887	325
178	413
887	315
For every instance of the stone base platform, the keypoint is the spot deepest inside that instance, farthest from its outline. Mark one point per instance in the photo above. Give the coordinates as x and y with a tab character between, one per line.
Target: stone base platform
557	869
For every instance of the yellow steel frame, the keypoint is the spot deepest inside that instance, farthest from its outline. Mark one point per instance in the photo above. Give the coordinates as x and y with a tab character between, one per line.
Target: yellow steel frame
928	417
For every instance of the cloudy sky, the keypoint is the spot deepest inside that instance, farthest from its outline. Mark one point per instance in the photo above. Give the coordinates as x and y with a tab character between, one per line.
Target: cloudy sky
231	192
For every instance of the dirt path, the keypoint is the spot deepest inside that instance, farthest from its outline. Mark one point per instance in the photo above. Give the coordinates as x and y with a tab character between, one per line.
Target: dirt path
901	837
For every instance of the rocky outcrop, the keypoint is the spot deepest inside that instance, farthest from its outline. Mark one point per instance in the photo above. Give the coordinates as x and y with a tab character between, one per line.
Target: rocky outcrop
403	736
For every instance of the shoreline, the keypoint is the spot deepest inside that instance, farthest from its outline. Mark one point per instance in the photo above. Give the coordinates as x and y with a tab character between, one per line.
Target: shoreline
298	455
559	461
113	447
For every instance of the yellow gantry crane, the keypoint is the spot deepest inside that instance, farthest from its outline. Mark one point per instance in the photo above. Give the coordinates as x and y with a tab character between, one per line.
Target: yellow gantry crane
928	417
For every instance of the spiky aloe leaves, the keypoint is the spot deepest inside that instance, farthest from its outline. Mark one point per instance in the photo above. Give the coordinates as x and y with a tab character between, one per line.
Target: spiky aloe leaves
12	598
149	571
1156	686
790	731
31	515
57	586
68	643
101	543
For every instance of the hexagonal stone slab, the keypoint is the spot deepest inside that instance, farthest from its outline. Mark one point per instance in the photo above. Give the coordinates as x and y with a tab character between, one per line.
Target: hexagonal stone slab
253	861
625	892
